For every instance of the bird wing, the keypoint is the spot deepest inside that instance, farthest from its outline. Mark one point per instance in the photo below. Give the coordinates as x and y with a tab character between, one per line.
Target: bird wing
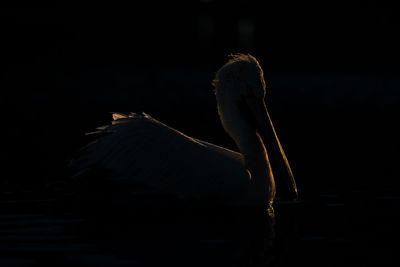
140	149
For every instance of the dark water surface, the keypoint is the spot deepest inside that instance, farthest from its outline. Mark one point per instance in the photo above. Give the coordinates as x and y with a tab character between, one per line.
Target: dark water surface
39	228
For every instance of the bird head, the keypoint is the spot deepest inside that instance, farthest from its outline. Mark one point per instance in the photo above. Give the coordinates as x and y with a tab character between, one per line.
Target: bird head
242	79
242	76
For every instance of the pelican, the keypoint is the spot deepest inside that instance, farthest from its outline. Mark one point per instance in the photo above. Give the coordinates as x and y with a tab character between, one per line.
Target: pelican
139	149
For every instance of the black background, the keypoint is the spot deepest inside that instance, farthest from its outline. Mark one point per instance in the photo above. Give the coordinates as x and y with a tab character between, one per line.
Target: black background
331	69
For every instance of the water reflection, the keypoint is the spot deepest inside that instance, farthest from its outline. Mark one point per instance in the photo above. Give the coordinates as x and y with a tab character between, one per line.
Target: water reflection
183	234
92	230
39	229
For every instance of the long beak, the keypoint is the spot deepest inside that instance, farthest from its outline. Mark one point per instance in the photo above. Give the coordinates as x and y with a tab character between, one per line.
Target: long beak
280	164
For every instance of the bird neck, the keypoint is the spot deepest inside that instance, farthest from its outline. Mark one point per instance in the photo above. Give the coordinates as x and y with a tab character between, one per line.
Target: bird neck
258	164
249	143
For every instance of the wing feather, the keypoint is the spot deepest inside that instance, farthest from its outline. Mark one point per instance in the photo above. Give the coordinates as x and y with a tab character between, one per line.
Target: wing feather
140	149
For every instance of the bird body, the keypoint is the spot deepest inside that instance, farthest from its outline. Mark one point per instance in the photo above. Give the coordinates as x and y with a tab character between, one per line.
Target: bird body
141	150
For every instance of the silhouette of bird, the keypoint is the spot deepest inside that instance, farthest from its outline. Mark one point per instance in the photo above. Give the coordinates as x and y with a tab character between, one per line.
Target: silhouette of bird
139	149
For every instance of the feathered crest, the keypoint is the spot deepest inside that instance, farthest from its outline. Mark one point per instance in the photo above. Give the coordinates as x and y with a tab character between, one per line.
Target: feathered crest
235	63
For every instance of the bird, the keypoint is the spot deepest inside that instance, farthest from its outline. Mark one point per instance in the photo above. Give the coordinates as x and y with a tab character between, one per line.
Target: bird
138	149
